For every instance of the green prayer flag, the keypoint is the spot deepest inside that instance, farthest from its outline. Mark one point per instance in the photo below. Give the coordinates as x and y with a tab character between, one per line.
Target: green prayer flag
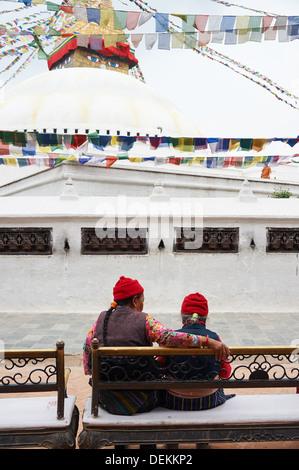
53	32
120	19
52	6
190	40
246	144
42	55
188	24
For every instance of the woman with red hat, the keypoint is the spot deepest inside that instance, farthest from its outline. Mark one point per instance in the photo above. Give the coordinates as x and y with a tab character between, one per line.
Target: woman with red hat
125	324
194	312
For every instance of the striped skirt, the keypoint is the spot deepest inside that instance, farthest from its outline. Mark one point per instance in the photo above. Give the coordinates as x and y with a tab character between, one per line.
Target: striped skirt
174	402
125	402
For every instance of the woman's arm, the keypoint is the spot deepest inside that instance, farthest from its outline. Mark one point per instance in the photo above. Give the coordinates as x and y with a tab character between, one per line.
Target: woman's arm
156	332
87	349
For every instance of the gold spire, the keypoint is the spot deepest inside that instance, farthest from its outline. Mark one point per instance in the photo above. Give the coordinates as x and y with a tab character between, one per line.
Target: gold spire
83	56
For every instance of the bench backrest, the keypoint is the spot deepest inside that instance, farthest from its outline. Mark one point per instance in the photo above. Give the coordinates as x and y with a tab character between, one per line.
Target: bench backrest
251	367
34	371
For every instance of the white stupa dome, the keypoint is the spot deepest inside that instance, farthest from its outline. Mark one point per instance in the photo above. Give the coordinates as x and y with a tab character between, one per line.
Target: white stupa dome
84	100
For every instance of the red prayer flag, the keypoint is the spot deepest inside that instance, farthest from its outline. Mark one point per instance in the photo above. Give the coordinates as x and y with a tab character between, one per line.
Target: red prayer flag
66	9
110	161
78	140
4	148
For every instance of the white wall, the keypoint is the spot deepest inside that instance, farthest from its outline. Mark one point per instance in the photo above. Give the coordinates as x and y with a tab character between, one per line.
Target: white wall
249	281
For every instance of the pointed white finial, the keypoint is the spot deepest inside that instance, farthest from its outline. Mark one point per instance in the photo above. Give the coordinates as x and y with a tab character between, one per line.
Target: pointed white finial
159	192
69	190
245	193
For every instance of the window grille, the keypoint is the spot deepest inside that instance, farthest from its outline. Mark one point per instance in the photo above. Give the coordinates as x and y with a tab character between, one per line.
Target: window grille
25	240
282	240
214	240
116	242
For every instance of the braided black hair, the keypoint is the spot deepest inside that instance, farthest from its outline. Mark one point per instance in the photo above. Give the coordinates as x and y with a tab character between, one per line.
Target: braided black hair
110	310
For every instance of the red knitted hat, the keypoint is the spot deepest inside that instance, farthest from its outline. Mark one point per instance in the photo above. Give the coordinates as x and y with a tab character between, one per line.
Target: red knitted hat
125	288
195	303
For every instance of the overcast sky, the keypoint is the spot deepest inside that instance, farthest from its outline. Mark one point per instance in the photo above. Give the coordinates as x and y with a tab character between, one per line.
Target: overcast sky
221	102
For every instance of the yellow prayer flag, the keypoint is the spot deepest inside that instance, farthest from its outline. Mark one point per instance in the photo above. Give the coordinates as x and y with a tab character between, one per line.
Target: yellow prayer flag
242	22
11	161
258	144
110	39
243	31
234	144
114	141
188	144
196	160
39	31
183	17
44	149
122	37
177	40
105	17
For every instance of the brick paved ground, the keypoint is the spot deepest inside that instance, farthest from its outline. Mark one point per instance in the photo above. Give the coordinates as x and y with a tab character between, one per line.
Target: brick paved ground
36	331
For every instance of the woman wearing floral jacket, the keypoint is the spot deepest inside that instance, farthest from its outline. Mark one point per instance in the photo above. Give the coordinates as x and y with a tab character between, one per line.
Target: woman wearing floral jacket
125	324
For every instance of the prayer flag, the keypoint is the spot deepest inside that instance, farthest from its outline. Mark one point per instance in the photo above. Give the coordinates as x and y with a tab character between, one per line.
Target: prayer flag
80	13
161	22
106	15
234	143
120	19
164	41
266	22
188	24
110	161
214	23
227	23
132	19
200	143
190	40
217	37
201	22
258	144
204	38
246	144
83	40
96	42
4	148
230	37
136	39
177	40
144	17
150	40
110	40
93	15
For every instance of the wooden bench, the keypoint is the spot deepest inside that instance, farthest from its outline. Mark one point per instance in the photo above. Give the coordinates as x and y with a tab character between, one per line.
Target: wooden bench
36	421
246	417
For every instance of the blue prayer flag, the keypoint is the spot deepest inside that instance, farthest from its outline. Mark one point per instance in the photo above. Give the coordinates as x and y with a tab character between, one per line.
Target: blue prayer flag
161	22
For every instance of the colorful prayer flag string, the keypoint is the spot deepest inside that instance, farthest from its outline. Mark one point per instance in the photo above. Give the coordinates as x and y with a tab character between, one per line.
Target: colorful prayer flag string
224	59
245	8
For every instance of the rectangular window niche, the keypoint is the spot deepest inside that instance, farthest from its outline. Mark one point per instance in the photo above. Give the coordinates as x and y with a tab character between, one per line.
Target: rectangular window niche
25	241
116	242
282	240
214	240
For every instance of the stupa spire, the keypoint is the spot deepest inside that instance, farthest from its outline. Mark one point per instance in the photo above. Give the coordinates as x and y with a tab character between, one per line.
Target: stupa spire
94	42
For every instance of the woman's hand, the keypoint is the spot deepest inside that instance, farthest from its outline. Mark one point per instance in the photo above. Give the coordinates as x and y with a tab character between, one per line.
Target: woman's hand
220	349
